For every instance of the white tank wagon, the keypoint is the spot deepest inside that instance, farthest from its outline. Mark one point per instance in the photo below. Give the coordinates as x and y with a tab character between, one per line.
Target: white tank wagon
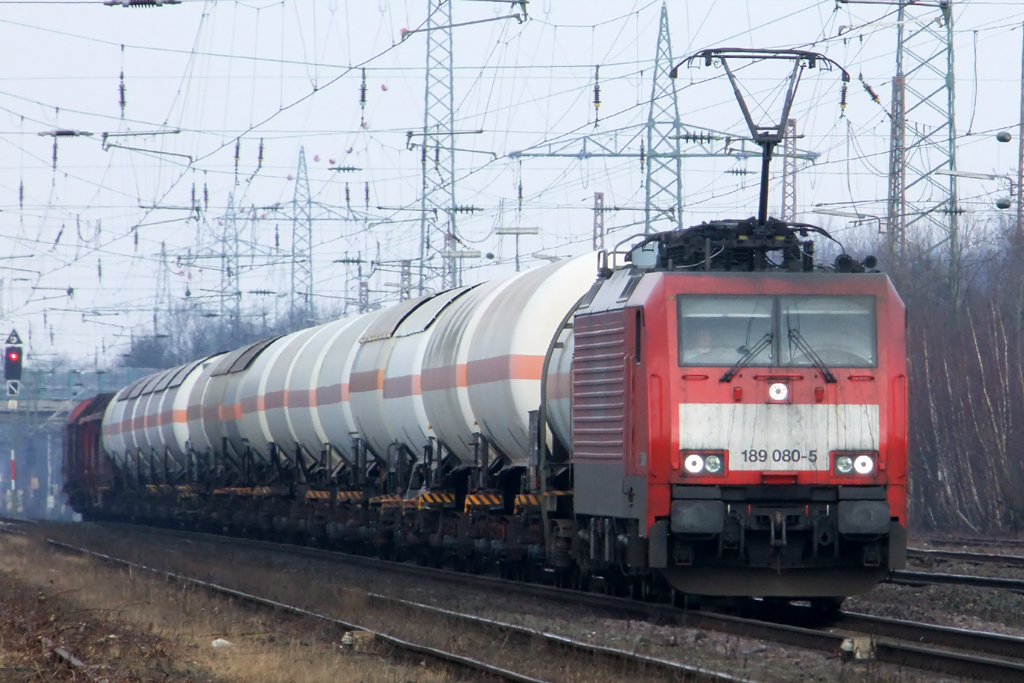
198	444
113	440
507	352
373	396
173	421
333	375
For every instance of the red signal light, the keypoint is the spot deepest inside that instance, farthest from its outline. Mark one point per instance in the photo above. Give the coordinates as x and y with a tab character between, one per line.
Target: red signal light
12	363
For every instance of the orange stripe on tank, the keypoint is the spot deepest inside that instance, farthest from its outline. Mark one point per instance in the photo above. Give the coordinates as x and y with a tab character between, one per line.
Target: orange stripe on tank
448	377
274	399
303	398
504	368
399	387
329	395
559	385
249	404
371	380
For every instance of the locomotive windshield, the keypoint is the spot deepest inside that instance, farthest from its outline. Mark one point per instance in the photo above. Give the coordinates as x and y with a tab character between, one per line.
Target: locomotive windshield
719	330
777	331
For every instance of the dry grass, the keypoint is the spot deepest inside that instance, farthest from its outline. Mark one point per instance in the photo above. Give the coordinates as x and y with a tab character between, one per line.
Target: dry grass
268	647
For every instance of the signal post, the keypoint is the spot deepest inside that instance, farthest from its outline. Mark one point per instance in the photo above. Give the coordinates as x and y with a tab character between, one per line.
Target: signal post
13	356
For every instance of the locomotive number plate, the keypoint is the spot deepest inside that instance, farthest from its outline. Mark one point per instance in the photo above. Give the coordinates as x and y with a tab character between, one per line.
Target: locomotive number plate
780	455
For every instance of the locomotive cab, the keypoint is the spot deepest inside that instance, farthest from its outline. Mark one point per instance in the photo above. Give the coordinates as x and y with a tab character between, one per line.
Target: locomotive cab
763	427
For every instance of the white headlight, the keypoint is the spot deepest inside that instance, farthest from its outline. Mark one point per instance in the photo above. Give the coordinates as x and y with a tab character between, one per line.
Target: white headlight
694	464
778	391
863	464
713	464
844	464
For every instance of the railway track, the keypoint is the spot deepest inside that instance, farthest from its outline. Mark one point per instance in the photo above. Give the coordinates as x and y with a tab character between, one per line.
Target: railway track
961	556
1004	542
905	578
985	656
642	664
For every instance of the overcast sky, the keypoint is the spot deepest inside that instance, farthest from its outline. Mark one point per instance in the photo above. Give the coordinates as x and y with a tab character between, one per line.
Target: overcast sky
205	78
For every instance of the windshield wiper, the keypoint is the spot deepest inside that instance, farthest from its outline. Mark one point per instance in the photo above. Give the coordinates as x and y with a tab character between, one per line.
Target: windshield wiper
747	357
801	343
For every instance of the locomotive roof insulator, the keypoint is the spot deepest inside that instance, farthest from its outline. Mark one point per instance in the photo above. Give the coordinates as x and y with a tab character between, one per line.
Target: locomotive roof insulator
740	246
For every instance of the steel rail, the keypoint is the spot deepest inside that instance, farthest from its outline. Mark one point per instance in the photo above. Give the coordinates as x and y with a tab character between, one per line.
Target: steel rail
1008	542
11	529
942	636
642	662
931	578
961	556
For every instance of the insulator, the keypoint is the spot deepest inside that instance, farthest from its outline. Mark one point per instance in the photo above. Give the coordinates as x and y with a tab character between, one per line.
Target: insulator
643	156
870	91
367	197
348	197
842	101
21	194
362	91
54	152
259	159
99	269
277	238
206	197
121	88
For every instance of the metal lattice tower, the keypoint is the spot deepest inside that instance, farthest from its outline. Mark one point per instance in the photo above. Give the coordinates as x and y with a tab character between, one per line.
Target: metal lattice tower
923	138
230	285
302	241
438	153
788	212
162	305
664	186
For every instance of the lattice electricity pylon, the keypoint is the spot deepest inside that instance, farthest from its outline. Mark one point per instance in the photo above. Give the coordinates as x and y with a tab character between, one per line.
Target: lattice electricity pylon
664	187
437	155
302	241
230	283
788	212
924	135
162	303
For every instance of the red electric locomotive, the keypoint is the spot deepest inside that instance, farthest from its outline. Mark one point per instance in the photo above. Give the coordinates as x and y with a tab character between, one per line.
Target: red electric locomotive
756	427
